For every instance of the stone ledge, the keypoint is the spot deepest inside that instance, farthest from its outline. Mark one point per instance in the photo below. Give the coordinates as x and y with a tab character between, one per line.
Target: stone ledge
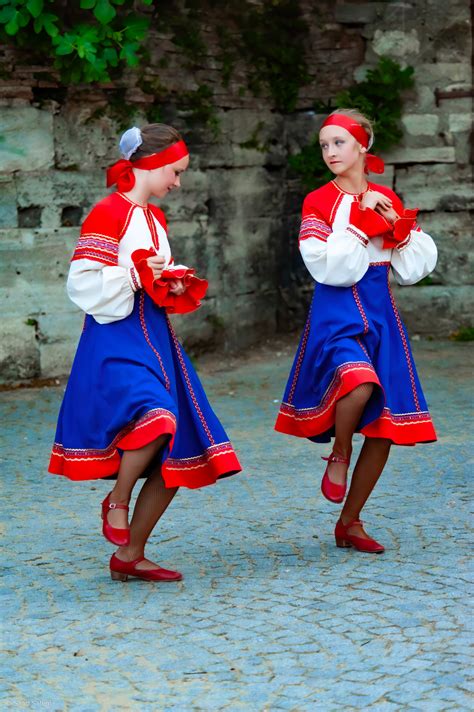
403	155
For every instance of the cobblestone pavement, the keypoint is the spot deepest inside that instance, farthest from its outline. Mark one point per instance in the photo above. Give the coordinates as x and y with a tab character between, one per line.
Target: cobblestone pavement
270	615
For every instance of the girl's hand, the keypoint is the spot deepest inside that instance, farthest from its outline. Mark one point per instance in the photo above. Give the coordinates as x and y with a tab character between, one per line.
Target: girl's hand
157	265
389	214
375	200
177	287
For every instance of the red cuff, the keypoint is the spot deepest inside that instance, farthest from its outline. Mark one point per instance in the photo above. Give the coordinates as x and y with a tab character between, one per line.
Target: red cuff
401	229
368	220
158	289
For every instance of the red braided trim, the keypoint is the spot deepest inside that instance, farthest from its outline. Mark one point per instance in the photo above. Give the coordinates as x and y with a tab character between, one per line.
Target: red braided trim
177	346
360	308
405	345
152	226
299	361
148	340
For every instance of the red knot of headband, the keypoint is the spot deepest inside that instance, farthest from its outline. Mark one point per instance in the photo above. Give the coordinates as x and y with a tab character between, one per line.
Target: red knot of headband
372	163
121	172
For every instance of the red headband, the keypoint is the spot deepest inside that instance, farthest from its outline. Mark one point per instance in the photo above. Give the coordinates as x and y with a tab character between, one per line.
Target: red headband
372	163
121	172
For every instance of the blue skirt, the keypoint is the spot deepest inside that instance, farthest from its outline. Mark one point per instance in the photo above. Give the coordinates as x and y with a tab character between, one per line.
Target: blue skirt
130	383
355	335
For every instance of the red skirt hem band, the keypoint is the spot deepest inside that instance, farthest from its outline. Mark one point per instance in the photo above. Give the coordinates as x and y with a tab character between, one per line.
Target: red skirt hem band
313	421
402	429
79	465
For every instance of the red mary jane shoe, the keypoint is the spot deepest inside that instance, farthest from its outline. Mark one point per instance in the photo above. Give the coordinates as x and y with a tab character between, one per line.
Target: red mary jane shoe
119	537
331	490
121	570
344	539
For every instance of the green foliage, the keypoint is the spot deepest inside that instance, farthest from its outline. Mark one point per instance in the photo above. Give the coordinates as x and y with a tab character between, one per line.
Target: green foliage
272	38
466	333
89	44
380	98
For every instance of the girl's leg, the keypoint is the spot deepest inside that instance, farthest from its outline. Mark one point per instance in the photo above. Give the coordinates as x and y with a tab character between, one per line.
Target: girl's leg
349	411
369	467
133	464
151	504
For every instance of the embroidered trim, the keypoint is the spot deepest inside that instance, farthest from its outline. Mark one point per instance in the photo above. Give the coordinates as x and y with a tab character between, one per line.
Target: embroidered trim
360	308
359	341
109	452
401	245
329	396
353	231
199	461
188	382
127	221
304	341
336	205
148	340
97	247
153	230
133	275
312	227
405	345
385	263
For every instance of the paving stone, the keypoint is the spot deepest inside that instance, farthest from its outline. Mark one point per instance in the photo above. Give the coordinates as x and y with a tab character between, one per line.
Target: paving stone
270	615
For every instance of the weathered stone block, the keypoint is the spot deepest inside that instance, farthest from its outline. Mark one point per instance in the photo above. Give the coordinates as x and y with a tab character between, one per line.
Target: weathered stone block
8	206
386	178
35	264
360	14
442	154
396	43
421	124
57	190
453	235
59	333
460	122
434	311
19	352
438	187
29	144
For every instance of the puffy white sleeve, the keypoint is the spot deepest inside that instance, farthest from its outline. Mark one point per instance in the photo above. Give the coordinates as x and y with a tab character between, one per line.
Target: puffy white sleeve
106	292
338	256
414	258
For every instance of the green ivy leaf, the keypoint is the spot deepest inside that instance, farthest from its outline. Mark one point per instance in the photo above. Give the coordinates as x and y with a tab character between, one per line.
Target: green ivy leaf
35	7
88	4
46	22
104	11
65	44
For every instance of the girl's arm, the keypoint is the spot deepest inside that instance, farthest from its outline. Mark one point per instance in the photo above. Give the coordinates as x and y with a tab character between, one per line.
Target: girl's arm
415	255
414	258
106	292
96	283
339	256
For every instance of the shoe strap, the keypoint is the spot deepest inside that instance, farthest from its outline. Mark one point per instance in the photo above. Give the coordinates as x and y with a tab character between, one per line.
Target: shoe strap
335	458
113	505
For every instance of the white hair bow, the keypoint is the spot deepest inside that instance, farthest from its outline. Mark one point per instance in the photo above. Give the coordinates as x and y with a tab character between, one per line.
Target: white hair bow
130	141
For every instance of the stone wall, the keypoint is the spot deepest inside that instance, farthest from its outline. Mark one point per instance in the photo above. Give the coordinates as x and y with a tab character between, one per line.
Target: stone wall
236	218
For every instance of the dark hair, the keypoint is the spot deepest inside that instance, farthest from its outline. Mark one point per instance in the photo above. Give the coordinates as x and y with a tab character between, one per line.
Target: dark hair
156	137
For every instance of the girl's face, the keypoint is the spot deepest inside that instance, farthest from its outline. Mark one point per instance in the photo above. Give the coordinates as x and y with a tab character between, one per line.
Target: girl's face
162	180
341	151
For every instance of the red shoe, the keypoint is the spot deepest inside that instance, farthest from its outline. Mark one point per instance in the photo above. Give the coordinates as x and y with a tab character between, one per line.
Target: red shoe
344	539
119	537
332	491
121	570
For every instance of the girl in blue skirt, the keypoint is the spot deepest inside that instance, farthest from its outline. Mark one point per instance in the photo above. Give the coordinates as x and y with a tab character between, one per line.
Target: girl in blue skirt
354	370
133	406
